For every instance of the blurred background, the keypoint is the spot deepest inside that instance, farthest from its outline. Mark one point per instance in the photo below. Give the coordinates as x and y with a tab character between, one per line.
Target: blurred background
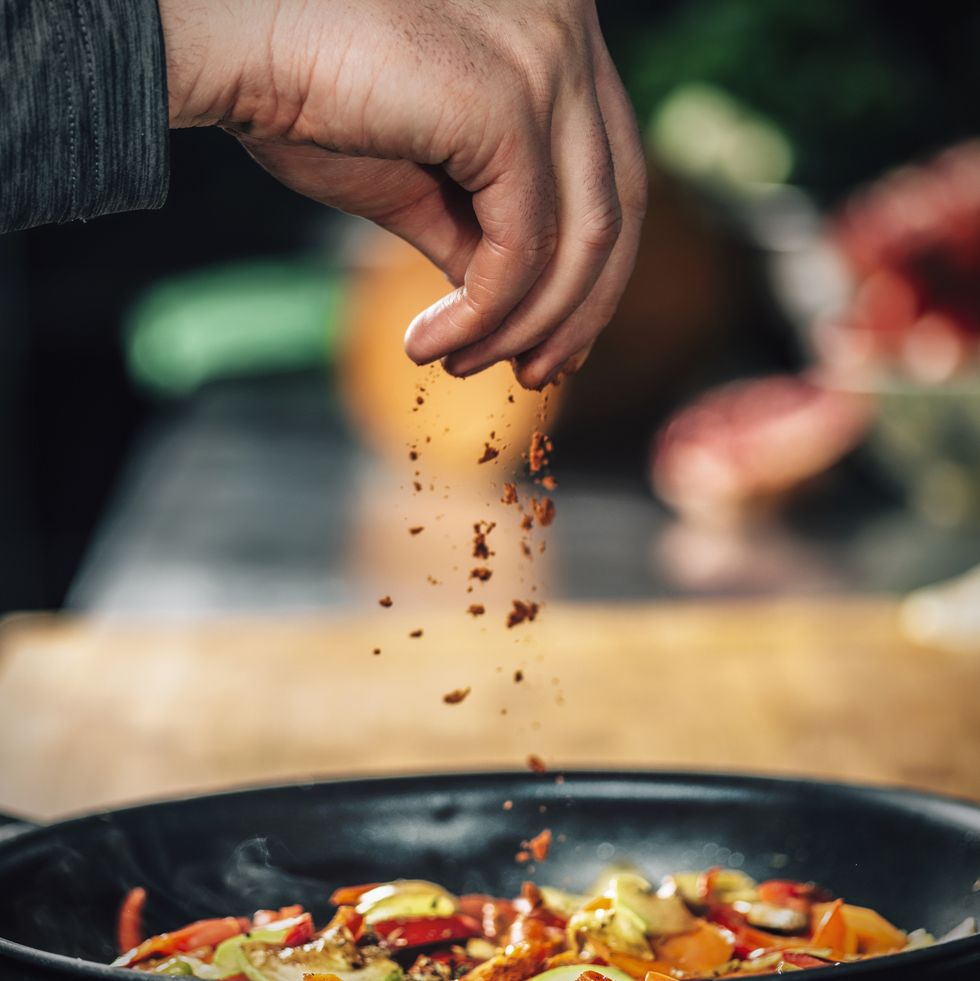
206	410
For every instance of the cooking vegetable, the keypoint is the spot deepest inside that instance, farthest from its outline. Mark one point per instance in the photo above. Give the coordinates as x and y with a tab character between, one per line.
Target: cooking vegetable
713	924
129	929
405	898
423	931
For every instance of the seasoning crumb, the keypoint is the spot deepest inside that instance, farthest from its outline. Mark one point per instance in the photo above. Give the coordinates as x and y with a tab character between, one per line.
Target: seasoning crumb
539	845
510	494
480	531
416	633
385	601
376	651
522	856
544	510
419	400
518	676
560	779
481	572
418	529
521	611
416	485
455	696
538	452
526	549
413	454
476	609
536	764
489	453
508	805
548	482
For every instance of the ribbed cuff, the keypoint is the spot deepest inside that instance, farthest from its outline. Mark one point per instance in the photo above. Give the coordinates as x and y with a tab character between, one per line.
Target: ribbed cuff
83	110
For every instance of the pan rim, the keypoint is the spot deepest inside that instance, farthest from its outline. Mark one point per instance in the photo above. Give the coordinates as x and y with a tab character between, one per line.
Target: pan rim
883	793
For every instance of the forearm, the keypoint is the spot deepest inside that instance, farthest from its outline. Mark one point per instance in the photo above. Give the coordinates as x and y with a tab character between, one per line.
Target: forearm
83	110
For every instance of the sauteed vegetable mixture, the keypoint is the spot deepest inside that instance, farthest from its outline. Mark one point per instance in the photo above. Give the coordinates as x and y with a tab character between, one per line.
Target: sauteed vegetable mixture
713	924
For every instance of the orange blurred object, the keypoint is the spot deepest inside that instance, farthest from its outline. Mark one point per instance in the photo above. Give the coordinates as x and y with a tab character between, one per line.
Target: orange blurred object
381	387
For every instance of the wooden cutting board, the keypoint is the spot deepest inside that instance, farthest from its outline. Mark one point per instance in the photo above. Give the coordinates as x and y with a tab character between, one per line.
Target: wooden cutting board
96	713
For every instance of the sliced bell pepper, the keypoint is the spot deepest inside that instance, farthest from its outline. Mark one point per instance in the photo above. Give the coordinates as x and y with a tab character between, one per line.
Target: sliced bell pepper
203	933
349	895
874	934
129	927
830	929
702	950
423	931
263	917
798	959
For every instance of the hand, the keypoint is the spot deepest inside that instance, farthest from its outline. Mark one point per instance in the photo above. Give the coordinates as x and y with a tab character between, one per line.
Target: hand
493	135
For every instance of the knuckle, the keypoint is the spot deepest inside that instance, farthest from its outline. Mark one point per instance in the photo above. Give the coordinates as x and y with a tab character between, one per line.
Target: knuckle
600	232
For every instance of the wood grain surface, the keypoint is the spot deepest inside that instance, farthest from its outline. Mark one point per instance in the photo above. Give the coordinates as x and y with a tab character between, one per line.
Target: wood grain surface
98	713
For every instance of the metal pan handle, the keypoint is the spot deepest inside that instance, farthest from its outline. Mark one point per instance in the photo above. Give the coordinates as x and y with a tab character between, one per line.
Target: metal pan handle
11	827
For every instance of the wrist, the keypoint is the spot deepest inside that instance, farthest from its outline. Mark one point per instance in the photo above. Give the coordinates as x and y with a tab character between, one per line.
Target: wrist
210	57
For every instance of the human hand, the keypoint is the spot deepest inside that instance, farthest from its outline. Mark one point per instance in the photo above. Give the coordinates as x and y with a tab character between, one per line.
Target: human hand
493	135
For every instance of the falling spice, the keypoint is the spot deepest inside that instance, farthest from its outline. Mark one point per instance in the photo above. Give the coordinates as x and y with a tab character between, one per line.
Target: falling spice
480	531
539	845
510	398
416	633
419	400
476	609
536	764
376	651
481	572
526	549
548	482
413	454
418	529
522	857
544	510
455	696
518	676
538	453
489	453
416	485
521	612
385	601
527	522
510	494
508	805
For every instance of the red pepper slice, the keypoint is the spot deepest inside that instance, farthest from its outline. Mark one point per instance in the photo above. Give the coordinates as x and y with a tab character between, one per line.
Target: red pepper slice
263	917
804	960
496	915
203	933
129	927
781	892
747	938
350	895
423	931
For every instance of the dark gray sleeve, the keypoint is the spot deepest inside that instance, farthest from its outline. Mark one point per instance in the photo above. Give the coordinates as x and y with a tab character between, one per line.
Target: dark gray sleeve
83	110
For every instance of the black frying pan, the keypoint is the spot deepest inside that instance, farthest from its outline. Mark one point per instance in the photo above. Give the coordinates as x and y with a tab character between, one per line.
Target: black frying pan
914	857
